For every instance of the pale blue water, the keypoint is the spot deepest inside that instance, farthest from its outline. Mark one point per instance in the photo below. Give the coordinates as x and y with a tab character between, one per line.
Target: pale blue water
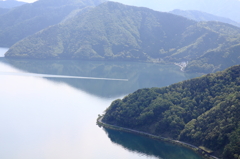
45	115
3	51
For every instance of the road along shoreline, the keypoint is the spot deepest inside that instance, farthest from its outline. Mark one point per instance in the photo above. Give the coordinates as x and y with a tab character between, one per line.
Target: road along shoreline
100	123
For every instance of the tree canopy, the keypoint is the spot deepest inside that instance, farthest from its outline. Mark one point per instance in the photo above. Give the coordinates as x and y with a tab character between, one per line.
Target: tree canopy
203	111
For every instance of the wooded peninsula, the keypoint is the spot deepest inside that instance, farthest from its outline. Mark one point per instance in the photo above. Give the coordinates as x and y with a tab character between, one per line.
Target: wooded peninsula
202	111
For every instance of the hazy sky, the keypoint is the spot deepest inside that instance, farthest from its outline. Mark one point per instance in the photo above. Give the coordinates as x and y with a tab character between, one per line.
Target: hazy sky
224	8
165	5
123	1
154	4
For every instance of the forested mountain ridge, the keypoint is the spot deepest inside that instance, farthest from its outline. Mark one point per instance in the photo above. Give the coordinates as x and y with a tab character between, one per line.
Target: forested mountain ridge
113	31
215	60
202	16
28	19
203	111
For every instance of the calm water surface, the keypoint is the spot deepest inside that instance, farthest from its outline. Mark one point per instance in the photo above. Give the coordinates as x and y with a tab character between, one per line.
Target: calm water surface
3	51
45	117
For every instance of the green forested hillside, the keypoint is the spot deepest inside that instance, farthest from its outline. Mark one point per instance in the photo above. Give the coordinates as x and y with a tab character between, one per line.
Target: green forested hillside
113	31
110	31
28	19
203	111
216	60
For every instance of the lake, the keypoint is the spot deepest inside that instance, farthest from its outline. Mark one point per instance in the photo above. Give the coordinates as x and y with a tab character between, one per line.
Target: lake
49	109
2	51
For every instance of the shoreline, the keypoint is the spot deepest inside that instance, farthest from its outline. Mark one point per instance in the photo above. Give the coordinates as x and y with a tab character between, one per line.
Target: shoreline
177	142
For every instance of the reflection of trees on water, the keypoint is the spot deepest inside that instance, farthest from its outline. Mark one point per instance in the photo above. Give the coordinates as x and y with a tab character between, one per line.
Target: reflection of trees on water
139	75
149	147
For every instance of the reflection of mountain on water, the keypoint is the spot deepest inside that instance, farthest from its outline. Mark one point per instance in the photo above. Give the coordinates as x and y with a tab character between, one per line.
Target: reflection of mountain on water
149	147
139	75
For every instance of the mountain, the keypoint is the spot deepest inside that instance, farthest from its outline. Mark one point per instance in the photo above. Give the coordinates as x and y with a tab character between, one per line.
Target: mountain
223	8
113	31
215	60
203	111
10	3
30	18
3	10
202	16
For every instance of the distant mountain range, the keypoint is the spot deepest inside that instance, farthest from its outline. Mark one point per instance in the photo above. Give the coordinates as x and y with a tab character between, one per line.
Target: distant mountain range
10	3
202	16
113	31
28	19
223	8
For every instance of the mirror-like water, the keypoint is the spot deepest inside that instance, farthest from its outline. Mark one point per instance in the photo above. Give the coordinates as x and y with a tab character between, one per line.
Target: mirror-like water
46	117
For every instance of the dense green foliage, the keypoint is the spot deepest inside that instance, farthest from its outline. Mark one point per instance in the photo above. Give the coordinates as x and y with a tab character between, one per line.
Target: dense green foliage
28	19
202	16
232	150
202	111
112	31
